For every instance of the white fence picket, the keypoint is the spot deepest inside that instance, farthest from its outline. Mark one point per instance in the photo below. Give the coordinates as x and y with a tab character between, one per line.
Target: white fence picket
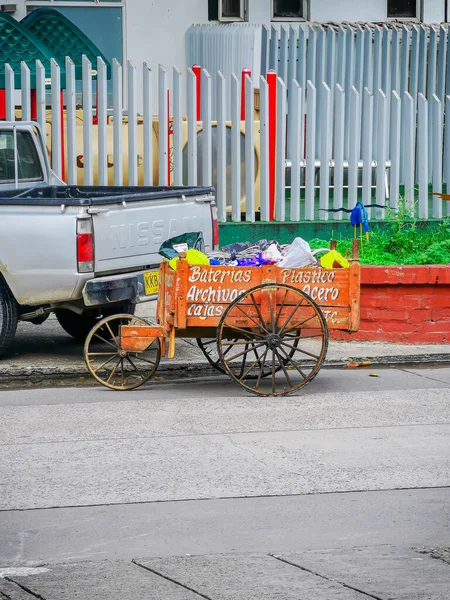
280	197
10	94
310	153
436	154
221	189
235	149
339	126
56	121
71	123
163	128
206	114
148	124
325	150
250	149
192	127
264	147
132	125
40	94
117	123
394	184
366	139
422	133
25	91
102	117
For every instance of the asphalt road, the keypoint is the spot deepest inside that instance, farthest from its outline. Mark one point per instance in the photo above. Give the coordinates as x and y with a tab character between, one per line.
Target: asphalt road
181	491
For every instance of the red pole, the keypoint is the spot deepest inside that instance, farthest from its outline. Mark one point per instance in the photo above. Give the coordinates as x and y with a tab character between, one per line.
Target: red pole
33	105
197	70
2	104
272	84
246	71
63	153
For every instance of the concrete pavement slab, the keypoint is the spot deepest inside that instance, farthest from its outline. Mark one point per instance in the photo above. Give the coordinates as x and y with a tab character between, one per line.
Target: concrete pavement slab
278	524
333	400
247	577
11	591
229	465
384	571
102	580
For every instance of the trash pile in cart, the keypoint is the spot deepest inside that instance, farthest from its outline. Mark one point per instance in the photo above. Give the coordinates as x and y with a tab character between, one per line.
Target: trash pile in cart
296	255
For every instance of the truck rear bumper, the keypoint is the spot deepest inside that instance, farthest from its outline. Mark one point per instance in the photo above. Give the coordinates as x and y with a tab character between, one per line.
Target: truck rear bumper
126	287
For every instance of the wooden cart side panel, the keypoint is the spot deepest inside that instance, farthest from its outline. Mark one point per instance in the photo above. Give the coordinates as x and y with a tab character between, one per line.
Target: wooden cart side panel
199	295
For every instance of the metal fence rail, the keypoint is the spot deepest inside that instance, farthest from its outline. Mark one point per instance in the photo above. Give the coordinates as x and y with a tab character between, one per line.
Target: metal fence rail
307	149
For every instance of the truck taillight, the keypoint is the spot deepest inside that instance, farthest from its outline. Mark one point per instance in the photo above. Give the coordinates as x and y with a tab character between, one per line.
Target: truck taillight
85	246
215	228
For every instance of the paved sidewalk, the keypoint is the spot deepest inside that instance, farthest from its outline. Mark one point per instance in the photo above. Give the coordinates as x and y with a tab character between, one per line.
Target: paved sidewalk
46	351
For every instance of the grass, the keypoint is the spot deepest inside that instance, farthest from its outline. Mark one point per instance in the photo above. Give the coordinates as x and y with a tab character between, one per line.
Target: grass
402	242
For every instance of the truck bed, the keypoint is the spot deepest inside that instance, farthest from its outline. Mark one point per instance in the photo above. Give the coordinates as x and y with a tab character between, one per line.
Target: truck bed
75	195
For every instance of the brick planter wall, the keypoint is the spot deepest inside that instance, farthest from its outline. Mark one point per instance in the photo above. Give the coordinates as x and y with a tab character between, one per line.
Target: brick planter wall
409	304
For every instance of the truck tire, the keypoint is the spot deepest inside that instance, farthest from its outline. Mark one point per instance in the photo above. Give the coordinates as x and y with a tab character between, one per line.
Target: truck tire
9	317
78	326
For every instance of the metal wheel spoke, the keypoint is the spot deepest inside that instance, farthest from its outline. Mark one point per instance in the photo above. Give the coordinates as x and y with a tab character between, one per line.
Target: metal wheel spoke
303	337
112	334
258	358
273	372
259	313
297	349
113	372
123	372
272	315
249	370
244	331
289	358
238	342
252	319
281	361
281	308
105	341
246	351
298	325
102	353
297	306
258	381
104	364
146	360
131	363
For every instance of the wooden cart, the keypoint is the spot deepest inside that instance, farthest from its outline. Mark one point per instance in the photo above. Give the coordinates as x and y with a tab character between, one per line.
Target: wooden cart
266	327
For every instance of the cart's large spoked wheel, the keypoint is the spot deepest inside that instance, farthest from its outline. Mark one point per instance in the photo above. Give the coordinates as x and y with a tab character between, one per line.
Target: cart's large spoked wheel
280	339
209	348
114	367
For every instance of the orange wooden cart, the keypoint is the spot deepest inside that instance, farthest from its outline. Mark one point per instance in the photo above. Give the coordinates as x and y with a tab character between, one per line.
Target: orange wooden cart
266	327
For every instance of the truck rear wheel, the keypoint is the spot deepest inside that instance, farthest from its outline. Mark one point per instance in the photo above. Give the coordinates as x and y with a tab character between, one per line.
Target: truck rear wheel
78	326
9	318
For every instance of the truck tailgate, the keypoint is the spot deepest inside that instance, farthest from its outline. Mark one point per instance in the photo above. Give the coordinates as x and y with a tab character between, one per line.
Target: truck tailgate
128	235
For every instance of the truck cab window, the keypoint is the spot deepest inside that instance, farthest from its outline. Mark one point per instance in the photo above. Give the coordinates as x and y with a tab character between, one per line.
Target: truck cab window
28	162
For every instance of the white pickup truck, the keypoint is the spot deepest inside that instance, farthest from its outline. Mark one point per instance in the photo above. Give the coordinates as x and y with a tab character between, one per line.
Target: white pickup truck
81	252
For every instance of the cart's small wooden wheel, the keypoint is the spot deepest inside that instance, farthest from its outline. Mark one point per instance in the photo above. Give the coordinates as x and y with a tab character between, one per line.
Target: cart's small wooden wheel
114	367
272	339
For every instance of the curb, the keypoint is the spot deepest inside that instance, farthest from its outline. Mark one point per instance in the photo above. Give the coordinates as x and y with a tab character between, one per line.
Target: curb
178	370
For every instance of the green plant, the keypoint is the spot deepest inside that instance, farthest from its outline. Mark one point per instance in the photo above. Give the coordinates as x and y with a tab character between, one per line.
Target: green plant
404	241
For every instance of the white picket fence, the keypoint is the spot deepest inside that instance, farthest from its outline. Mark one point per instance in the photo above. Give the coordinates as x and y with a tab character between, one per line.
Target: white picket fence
330	160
